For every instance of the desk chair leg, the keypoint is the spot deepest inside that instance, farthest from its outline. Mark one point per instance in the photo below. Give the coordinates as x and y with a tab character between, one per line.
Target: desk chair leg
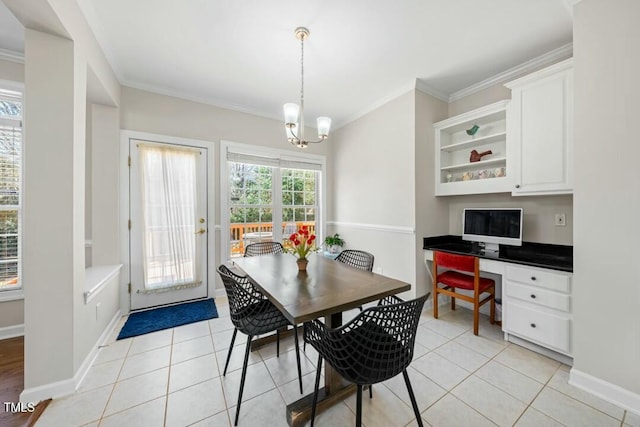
492	315
359	406
412	397
476	312
244	376
435	301
370	391
315	390
278	342
295	334
233	340
453	300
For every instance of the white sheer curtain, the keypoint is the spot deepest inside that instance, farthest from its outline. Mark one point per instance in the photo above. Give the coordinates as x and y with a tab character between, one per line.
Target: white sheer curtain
169	201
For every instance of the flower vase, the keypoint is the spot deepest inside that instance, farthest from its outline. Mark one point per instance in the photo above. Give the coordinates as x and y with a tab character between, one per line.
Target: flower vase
302	264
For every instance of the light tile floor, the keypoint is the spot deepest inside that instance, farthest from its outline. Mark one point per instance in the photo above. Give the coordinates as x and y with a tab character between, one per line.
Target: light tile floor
174	378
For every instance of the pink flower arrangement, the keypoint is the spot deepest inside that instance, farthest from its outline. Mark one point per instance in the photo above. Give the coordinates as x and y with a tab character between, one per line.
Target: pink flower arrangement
302	242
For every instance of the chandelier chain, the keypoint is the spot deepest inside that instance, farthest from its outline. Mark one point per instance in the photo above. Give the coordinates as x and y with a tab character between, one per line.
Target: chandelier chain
302	73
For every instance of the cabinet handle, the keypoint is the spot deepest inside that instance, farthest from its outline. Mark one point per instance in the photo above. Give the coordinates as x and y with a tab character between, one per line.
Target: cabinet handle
533	325
517	185
533	296
533	278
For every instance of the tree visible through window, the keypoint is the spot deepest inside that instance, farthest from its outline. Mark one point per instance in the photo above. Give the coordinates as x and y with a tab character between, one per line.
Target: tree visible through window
254	212
10	189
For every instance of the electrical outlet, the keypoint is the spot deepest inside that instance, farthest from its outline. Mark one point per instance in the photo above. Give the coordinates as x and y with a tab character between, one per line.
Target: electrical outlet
561	220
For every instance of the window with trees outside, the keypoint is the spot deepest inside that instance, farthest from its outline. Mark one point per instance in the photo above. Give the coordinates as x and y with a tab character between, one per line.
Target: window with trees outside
10	189
269	199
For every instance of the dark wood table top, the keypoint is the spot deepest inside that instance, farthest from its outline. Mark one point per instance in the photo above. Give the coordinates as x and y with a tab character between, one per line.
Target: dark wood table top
327	287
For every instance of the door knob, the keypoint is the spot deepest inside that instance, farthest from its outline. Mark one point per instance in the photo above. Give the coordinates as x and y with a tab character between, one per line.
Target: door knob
201	231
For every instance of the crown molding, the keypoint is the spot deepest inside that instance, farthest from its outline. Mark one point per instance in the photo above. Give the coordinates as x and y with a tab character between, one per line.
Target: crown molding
12	56
432	91
569	4
562	52
375	105
213	102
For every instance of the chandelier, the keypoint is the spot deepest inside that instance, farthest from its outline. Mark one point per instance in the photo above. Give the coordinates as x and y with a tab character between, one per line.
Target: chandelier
293	112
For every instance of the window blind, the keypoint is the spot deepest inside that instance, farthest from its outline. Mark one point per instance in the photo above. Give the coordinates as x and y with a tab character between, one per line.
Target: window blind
10	201
273	161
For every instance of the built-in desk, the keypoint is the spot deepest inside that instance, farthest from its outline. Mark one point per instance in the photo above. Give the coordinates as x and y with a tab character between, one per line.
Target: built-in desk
535	281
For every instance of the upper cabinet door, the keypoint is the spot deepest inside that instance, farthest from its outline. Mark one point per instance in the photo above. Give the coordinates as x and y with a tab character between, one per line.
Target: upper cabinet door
540	131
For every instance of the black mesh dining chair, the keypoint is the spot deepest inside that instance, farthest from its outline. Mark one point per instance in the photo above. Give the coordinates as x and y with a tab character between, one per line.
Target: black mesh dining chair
355	258
358	259
263	248
374	346
252	314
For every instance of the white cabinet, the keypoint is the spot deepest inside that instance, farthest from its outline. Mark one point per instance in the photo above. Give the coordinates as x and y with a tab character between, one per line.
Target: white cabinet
456	139
540	131
537	306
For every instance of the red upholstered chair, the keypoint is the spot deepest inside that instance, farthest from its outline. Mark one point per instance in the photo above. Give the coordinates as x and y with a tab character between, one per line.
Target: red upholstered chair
458	277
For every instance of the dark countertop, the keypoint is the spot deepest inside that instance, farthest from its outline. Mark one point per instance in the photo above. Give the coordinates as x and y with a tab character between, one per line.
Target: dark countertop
556	257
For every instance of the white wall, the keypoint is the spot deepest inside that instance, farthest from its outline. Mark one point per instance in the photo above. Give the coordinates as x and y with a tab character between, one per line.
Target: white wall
53	156
431	213
539	215
607	199
105	191
374	186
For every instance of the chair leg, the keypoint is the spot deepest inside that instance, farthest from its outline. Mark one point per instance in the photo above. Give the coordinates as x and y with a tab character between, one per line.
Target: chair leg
435	302
295	334
412	397
492	311
453	299
370	391
233	340
315	390
359	406
476	313
244	376
278	342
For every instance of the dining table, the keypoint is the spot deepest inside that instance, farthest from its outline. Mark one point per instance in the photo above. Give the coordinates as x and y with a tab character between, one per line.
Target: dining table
325	290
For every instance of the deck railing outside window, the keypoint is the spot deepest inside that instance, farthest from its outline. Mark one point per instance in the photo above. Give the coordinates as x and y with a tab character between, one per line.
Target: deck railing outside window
243	234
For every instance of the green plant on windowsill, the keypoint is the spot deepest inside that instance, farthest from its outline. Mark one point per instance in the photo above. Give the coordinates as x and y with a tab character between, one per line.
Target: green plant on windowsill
333	243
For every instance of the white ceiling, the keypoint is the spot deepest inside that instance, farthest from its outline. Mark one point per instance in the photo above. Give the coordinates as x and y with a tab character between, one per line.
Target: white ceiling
242	54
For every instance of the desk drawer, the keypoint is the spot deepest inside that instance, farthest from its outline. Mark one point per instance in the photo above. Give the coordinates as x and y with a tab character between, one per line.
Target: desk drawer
538	296
539	277
547	329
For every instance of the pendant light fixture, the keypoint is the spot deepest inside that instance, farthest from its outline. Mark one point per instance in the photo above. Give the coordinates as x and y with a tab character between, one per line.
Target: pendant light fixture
294	113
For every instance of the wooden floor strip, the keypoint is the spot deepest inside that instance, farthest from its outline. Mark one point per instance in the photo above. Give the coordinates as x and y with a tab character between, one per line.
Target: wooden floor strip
12	384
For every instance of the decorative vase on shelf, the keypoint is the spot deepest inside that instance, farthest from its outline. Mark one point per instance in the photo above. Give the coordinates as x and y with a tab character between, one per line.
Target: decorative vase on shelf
302	264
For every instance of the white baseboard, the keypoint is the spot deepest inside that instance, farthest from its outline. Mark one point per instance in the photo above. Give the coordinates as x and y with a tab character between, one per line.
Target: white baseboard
69	386
48	391
12	331
605	390
88	361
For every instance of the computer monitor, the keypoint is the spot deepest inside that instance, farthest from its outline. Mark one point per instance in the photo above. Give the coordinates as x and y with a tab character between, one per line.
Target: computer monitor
492	227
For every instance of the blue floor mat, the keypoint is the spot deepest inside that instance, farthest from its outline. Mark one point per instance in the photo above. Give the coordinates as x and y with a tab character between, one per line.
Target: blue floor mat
161	318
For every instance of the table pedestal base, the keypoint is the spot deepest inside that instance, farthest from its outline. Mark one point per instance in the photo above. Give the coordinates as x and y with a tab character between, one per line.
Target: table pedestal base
299	411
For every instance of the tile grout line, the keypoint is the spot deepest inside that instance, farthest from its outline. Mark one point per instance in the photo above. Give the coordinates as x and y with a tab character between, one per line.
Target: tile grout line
113	388
166	397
